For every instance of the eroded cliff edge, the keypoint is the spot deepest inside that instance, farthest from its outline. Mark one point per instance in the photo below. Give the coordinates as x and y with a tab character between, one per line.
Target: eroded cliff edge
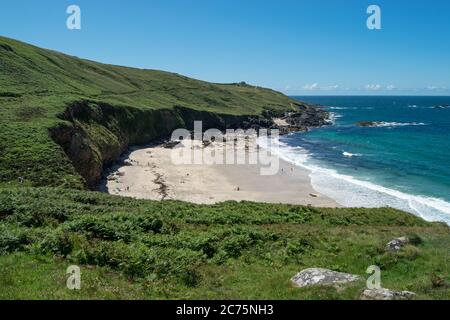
94	135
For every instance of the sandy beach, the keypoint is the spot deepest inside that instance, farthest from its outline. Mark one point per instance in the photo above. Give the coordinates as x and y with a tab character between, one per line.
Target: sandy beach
149	173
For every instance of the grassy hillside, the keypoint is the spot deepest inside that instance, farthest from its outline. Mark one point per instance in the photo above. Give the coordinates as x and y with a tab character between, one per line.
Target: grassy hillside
38	86
64	118
145	249
29	72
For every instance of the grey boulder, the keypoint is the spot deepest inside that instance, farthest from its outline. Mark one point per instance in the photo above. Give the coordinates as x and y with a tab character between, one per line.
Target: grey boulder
319	276
397	243
386	294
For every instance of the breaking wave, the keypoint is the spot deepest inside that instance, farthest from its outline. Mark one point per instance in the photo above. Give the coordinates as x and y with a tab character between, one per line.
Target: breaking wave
352	192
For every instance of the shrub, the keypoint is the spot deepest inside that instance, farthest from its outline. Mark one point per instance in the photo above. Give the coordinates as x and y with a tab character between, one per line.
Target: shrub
409	252
6	207
116	226
190	277
415	239
133	260
37	215
299	246
437	281
58	243
386	260
12	239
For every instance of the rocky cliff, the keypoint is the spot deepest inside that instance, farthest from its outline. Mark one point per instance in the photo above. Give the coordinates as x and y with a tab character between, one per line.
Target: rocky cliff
94	135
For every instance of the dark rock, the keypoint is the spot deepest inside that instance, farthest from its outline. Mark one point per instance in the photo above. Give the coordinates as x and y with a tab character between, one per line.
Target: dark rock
310	117
307	117
127	163
284	130
368	123
170	144
442	107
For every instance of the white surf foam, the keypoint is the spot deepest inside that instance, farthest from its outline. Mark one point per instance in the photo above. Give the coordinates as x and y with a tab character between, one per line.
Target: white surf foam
350	155
351	192
333	117
338	108
399	124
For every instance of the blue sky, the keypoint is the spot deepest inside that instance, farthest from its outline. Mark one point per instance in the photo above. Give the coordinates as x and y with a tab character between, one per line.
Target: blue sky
298	47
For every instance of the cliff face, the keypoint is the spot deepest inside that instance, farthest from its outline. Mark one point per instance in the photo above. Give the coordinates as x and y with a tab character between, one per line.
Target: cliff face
95	135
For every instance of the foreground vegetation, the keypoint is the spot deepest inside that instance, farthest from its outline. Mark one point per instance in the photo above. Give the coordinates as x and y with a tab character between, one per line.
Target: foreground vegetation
144	249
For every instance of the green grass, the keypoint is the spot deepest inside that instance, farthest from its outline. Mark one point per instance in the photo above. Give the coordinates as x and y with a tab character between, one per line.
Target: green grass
38	85
35	277
136	249
63	118
32	73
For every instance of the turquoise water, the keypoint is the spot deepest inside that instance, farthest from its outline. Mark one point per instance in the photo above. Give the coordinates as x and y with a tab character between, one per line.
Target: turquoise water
403	163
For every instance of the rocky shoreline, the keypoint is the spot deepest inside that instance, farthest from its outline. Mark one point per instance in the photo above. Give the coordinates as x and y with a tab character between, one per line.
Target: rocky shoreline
301	121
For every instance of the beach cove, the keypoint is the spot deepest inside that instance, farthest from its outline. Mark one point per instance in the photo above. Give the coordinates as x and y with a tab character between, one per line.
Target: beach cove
149	173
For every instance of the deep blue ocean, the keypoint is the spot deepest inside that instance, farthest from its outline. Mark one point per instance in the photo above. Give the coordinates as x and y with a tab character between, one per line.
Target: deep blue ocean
403	163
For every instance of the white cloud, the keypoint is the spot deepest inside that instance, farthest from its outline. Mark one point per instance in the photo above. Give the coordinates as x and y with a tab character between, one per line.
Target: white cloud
311	87
373	87
333	87
391	87
315	86
435	88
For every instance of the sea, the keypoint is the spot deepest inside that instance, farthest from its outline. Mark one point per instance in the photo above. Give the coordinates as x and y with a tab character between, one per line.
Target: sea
403	162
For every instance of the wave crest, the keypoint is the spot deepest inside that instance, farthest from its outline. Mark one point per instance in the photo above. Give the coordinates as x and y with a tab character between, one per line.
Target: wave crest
352	192
381	124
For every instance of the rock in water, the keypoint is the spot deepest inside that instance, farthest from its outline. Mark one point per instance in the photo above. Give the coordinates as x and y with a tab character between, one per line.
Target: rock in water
318	276
386	294
397	243
368	123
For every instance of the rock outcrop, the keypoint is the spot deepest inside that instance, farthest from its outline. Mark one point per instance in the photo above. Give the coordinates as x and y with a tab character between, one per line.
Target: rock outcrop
369	123
397	243
446	106
307	117
319	276
386	294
